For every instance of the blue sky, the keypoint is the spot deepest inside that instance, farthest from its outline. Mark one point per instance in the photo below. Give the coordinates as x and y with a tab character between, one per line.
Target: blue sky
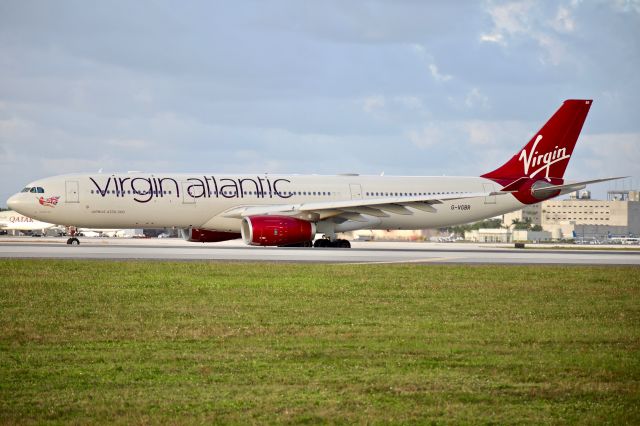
404	87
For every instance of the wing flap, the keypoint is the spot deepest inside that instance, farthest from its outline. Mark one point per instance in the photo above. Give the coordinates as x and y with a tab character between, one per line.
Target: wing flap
396	208
425	207
356	217
366	210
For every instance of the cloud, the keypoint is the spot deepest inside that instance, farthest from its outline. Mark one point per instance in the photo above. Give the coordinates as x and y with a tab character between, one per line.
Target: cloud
371	104
421	52
317	87
606	154
626	6
129	144
475	98
439	77
508	19
400	109
410	102
563	21
492	38
491	133
529	20
429	135
471	134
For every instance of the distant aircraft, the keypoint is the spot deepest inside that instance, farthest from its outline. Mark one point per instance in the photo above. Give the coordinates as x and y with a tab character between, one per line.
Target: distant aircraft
285	210
11	220
449	239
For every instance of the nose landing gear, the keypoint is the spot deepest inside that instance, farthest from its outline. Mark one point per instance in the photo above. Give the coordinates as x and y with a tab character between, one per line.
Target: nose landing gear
73	241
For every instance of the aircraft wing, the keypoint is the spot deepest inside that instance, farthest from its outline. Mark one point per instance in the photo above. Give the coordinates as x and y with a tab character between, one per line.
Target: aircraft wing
353	209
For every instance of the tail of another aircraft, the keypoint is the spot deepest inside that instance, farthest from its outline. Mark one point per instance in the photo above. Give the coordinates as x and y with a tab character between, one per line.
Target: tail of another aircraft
547	154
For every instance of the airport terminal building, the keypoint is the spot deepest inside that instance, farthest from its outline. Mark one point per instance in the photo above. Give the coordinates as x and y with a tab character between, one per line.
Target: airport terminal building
582	217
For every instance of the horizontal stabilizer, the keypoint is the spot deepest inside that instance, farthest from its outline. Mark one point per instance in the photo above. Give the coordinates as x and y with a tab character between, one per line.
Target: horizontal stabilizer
573	186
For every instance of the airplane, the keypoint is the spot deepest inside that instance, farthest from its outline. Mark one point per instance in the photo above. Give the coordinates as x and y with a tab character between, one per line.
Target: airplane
11	220
290	210
14	221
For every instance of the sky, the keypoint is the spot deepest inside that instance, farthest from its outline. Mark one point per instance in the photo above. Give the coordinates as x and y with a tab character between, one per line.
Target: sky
401	87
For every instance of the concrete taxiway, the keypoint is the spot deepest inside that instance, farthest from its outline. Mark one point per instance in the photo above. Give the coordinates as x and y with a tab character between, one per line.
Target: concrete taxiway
361	252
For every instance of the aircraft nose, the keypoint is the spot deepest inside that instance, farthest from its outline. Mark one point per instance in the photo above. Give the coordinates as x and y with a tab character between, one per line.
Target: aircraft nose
15	203
11	202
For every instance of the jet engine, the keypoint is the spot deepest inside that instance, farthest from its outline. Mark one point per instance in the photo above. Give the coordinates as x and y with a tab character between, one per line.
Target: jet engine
206	236
276	231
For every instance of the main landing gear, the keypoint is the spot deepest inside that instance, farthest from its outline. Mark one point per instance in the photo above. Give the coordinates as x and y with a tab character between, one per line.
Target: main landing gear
322	242
325	242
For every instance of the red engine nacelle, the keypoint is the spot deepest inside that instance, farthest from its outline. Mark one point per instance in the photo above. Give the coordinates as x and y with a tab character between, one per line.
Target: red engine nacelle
205	236
276	230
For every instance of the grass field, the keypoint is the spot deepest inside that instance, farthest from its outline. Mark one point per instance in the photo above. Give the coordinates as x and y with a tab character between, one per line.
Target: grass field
193	342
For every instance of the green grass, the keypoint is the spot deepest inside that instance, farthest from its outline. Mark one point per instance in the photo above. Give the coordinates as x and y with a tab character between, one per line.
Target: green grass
160	342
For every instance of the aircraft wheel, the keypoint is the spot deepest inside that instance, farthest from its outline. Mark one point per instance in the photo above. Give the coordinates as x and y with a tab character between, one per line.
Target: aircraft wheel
73	241
342	244
321	243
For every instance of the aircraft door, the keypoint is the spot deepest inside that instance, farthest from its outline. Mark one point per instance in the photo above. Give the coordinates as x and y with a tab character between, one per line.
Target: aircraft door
187	195
71	192
488	187
356	191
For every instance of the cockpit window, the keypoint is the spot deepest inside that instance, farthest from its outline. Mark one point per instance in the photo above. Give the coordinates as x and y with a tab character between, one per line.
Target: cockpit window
27	189
35	189
40	190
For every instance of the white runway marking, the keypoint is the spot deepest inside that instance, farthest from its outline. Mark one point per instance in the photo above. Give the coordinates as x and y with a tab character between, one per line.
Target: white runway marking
362	252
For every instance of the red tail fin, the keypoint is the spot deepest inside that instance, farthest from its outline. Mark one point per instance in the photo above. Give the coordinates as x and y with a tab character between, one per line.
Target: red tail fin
547	154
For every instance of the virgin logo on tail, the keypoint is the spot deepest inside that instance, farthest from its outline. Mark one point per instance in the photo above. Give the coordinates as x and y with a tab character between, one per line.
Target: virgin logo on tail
541	161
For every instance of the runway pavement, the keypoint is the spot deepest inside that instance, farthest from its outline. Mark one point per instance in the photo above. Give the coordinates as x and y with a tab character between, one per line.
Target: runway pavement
361	252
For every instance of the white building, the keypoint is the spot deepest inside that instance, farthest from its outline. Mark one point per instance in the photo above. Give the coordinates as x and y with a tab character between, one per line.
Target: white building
582	217
525	235
569	218
532	213
485	235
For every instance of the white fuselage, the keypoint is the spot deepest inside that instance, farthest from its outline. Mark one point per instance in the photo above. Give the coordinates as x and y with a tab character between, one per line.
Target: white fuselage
138	200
